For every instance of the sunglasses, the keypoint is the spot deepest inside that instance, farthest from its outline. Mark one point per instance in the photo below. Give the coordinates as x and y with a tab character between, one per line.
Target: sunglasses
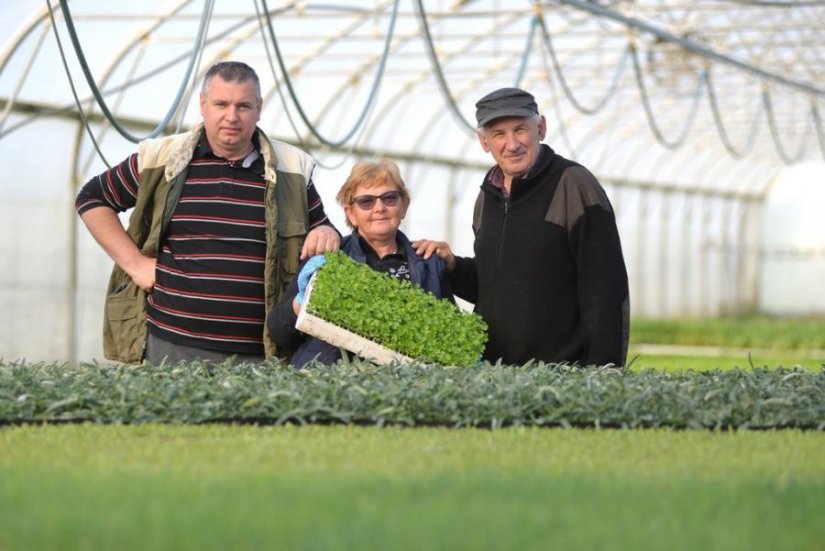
366	202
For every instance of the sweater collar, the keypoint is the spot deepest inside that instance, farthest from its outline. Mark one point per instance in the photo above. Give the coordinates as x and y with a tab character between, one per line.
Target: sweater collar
195	145
495	176
203	150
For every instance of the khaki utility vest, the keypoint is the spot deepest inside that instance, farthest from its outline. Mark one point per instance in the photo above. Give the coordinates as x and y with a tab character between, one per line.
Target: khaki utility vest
162	168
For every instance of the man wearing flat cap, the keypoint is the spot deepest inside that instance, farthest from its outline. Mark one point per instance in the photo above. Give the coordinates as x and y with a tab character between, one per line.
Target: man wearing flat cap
548	274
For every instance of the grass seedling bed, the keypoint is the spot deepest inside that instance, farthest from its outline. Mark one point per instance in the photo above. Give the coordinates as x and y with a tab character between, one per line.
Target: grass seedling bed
413	395
221	487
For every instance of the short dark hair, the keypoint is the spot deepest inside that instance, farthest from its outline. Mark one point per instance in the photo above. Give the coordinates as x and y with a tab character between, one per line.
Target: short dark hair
232	71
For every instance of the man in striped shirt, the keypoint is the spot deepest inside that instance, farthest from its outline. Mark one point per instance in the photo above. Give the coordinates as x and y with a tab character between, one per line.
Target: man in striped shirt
222	256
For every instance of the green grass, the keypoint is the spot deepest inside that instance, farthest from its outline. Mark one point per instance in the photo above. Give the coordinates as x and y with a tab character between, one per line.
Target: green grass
708	363
764	342
241	487
760	332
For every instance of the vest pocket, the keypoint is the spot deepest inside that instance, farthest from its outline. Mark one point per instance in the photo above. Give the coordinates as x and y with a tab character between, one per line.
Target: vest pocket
125	333
290	228
291	236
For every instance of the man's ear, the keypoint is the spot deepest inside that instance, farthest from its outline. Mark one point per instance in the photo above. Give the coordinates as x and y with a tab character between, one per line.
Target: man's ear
542	128
482	139
202	103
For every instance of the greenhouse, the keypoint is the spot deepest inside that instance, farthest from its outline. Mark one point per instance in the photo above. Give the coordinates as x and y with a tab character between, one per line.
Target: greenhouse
703	120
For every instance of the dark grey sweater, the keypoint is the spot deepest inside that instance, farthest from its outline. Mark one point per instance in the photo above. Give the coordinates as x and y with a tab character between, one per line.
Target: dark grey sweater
548	275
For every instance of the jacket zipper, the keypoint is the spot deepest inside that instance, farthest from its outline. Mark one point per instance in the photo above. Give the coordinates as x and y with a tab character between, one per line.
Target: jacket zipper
500	252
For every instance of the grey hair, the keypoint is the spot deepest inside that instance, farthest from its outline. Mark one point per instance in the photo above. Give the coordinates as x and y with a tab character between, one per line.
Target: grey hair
232	71
535	118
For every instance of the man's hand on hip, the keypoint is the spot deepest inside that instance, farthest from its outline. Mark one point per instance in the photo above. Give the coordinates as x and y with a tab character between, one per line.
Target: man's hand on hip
142	272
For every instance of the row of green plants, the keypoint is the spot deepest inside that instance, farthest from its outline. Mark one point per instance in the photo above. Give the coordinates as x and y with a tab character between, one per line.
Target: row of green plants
484	395
395	314
754	331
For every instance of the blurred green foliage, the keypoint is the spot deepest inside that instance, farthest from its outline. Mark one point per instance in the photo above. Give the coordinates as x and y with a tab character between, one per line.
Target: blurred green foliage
744	332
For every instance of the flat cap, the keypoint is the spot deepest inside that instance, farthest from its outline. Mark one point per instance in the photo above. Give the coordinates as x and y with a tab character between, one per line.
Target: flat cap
505	102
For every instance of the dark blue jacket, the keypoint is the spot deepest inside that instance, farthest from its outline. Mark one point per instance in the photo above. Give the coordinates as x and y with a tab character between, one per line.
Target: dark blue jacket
430	275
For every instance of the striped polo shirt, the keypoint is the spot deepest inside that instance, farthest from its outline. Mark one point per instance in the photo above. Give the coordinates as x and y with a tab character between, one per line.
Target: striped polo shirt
209	288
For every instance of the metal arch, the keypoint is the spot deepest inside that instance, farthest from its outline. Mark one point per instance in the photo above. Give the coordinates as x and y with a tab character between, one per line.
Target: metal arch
691	46
599	125
633	159
16	41
656	166
689	162
710	182
139	38
311	126
423	75
546	45
95	89
516	15
13	45
11	100
253	22
769	179
435	116
462	154
326	44
399	41
105	125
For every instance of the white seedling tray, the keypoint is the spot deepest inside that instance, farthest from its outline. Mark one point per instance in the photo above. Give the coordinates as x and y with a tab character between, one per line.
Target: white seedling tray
343	338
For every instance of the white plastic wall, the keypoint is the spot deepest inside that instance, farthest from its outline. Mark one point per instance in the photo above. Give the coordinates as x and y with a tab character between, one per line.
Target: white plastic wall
792	265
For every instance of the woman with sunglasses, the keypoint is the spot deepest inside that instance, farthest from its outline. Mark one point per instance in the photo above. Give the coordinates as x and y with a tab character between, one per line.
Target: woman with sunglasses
375	201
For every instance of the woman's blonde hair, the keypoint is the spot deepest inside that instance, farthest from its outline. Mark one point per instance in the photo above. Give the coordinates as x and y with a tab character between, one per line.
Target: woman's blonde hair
370	174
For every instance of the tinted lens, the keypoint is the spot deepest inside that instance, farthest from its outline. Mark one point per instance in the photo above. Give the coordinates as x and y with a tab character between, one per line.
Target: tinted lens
366	202
390	198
